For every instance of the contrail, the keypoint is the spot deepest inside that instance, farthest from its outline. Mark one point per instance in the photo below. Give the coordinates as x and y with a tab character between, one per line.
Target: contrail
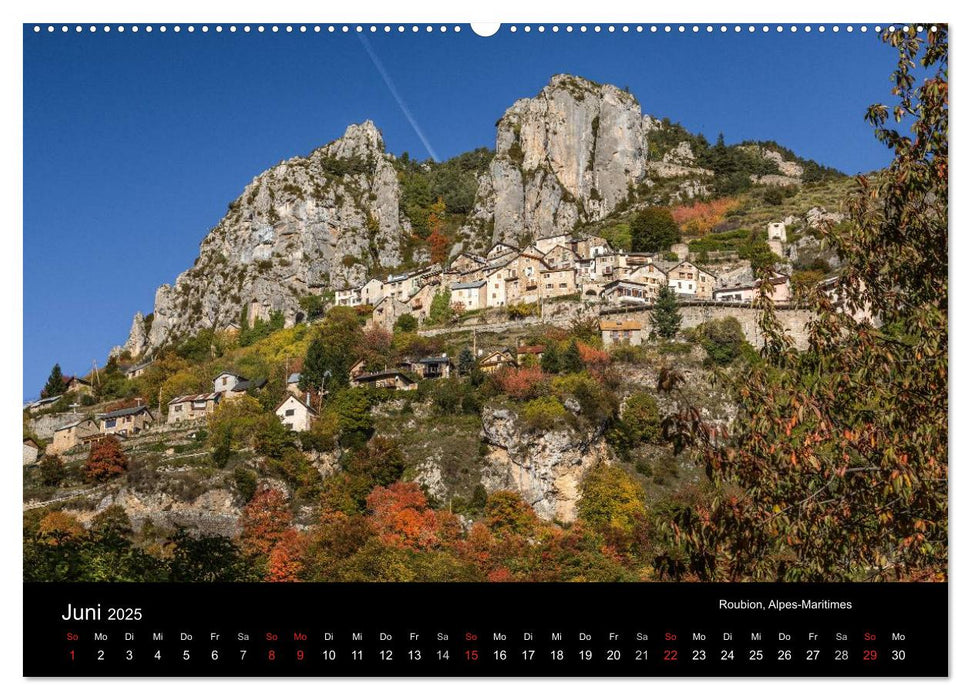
394	92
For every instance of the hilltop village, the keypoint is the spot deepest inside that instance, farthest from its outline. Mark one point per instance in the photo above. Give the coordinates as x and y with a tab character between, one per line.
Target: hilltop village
557	267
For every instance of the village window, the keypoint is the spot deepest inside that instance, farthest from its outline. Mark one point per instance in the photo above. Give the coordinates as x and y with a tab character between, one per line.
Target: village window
289	412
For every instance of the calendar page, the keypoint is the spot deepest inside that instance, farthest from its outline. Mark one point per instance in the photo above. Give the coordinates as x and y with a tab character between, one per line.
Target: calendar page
537	349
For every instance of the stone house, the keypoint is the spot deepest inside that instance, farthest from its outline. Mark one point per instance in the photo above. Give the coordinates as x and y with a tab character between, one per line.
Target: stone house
689	279
560	257
387	311
558	283
386	379
42	404
31	450
549	243
471	295
137	370
626	292
433	367
495	280
652	277
371	292
522	277
77	385
294	414
192	407
592	247
225	382
126	421
621	332
780	291
608	267
466	262
496	360
68	436
527	354
347	297
500	250
420	303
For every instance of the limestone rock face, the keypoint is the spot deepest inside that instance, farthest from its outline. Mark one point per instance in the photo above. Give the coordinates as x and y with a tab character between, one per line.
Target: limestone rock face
546	469
568	156
307	224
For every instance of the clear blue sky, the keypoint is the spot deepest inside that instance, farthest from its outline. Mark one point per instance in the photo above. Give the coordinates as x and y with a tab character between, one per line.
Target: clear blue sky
135	143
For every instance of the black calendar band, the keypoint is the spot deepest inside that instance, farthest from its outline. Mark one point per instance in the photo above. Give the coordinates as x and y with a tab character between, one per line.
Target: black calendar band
466	629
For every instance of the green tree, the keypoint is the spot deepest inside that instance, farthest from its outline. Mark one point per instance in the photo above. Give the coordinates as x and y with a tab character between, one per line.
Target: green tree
332	351
654	229
571	360
55	385
440	310
641	420
406	323
837	467
665	317
723	340
313	306
550	362
612	500
51	470
466	361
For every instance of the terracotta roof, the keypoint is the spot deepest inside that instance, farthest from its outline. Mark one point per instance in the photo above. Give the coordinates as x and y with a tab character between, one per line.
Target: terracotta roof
606	325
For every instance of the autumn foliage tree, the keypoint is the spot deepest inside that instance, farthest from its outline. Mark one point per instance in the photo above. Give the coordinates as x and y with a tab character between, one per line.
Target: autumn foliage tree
838	462
105	460
437	241
265	521
401	517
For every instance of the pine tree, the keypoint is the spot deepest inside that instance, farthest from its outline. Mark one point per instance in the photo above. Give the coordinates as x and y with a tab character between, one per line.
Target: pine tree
314	365
572	361
550	362
466	361
665	318
55	383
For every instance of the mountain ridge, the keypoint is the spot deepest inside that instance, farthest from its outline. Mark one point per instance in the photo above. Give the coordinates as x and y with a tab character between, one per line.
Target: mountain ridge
576	153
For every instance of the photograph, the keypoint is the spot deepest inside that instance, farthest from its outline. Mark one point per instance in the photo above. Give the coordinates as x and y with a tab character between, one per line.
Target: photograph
404	304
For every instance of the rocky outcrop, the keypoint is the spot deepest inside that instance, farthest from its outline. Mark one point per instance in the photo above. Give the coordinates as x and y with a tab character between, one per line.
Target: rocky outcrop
546	469
568	156
307	224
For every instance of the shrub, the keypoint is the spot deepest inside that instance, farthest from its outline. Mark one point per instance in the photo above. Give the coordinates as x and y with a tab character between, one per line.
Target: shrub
406	323
723	340
640	423
245	480
522	383
542	413
51	469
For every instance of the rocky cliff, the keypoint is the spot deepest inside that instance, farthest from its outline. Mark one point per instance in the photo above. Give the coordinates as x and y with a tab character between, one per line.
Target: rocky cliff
545	469
568	156
307	224
577	154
